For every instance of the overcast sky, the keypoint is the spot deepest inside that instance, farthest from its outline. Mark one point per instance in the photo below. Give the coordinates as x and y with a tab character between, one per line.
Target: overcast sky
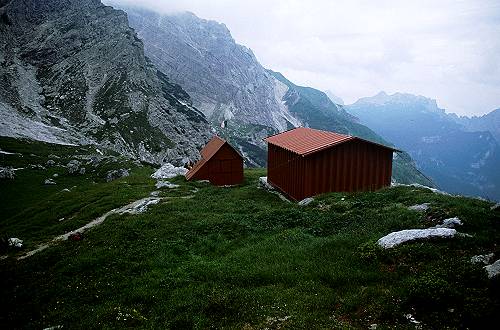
448	50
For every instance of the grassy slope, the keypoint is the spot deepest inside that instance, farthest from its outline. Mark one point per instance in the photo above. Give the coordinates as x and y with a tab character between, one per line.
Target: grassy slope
240	257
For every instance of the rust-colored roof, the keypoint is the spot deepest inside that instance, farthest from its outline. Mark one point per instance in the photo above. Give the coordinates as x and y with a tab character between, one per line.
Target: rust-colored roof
207	152
305	141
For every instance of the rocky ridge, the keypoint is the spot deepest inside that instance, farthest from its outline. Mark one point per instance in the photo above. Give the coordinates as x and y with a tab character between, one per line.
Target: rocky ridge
74	72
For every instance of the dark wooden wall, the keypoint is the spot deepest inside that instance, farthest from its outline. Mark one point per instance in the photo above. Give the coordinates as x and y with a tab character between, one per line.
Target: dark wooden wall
224	168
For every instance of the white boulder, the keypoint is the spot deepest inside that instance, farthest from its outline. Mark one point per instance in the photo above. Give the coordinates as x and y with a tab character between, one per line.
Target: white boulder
399	237
165	184
493	270
15	242
168	171
482	258
450	223
420	207
264	184
140	206
306	201
49	182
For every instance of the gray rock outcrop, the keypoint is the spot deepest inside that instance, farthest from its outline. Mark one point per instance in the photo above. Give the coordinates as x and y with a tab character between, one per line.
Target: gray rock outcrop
419	207
450	223
73	166
116	174
74	72
165	184
306	201
15	242
396	238
482	258
493	270
7	173
168	171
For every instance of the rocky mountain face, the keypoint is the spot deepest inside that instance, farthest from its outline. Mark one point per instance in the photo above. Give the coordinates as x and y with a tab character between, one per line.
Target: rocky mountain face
242	100
226	82
458	160
489	122
73	71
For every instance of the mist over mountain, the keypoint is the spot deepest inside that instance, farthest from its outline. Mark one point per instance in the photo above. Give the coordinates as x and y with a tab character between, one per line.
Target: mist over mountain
459	160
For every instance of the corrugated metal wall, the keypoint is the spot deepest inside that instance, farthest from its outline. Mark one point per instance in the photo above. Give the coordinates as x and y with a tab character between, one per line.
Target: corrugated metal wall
285	170
225	167
352	166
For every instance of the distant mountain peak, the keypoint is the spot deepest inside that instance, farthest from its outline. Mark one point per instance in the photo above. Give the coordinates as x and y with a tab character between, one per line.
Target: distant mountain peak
409	101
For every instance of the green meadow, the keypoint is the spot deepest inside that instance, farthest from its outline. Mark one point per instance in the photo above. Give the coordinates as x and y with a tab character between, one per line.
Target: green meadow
231	257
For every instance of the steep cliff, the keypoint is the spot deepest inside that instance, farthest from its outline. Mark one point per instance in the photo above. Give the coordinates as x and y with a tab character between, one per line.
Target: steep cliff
74	72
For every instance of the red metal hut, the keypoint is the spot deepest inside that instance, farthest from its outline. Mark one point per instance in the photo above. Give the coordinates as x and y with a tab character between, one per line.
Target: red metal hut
219	163
304	162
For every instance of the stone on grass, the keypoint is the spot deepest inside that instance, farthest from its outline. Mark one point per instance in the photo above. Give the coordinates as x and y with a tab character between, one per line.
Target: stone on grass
116	174
306	201
55	175
493	270
65	190
165	184
450	223
168	171
49	182
7	173
482	258
82	171
409	235
50	162
73	166
140	206
15	242
37	167
264	184
155	193
420	207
